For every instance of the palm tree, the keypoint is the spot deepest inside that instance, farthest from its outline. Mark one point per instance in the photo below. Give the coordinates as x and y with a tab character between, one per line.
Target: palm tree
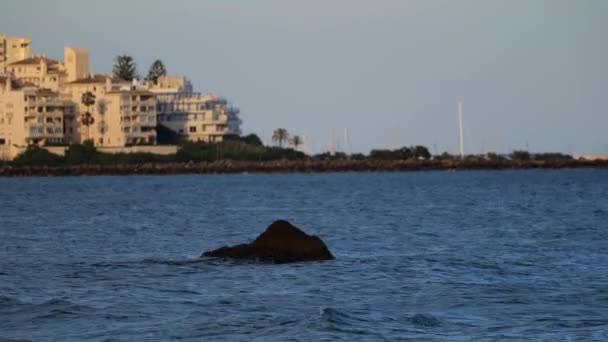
88	99
280	135
296	141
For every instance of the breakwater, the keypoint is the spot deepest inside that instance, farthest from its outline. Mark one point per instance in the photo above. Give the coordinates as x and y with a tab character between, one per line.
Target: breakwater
290	166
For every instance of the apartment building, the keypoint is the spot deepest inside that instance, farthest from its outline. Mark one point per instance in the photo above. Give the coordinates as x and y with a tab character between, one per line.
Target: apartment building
32	115
41	103
13	49
101	111
132	119
198	117
44	72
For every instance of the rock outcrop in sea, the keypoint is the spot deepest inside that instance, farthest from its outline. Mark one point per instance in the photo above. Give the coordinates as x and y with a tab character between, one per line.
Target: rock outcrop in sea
280	243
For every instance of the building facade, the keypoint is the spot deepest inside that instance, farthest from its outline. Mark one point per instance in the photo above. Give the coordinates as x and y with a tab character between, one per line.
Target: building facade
41	102
13	49
34	116
198	117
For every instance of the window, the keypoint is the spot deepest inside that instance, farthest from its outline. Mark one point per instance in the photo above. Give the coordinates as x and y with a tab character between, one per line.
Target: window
143	109
192	129
49	120
2	141
40	119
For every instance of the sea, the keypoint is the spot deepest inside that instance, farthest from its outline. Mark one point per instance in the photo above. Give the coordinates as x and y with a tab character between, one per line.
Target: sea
517	255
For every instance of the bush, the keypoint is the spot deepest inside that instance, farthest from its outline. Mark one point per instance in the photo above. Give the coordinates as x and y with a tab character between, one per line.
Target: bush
234	150
492	156
85	153
328	156
520	155
403	153
421	152
445	156
552	157
37	156
250	139
165	136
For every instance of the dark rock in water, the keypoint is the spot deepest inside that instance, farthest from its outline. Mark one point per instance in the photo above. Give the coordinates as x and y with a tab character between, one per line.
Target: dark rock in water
281	243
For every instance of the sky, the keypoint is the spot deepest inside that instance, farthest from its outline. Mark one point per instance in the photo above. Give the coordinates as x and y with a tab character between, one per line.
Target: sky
531	75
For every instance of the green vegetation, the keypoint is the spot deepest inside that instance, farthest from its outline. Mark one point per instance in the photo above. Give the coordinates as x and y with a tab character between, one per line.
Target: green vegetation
551	157
37	156
404	153
125	68
234	150
251	139
295	141
165	136
157	69
520	156
249	148
280	135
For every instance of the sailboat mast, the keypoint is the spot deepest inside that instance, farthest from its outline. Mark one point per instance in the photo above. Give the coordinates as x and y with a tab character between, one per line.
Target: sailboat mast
461	129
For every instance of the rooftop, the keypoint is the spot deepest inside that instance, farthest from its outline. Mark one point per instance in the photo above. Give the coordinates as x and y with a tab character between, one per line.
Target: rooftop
35	60
131	92
96	79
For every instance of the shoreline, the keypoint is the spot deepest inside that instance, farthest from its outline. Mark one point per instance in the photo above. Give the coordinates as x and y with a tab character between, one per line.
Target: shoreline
291	166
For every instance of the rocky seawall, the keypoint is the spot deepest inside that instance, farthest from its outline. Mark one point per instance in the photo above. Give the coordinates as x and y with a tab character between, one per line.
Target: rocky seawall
289	166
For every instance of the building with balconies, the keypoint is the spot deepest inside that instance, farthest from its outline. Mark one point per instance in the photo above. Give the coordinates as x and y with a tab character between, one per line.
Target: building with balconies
131	118
31	115
98	85
198	117
41	103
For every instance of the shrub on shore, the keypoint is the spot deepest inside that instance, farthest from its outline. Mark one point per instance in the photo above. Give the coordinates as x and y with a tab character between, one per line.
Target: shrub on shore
250	149
37	156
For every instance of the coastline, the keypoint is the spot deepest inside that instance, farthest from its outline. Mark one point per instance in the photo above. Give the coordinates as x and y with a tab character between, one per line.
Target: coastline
290	166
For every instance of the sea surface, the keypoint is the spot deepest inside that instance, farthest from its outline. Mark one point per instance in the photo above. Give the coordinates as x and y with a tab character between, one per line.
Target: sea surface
421	256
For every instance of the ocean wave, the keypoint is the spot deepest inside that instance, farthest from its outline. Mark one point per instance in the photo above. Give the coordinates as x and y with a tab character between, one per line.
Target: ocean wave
8	302
425	320
52	309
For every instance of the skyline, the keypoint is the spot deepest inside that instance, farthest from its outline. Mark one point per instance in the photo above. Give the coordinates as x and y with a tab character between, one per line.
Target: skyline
530	75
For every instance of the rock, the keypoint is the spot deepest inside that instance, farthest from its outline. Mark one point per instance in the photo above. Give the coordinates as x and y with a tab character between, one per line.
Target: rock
281	243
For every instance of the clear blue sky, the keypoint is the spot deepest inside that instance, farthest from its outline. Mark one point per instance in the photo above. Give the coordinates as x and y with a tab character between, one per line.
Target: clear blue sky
531	74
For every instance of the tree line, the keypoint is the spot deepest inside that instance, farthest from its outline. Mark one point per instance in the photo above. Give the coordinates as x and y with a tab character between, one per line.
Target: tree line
125	68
